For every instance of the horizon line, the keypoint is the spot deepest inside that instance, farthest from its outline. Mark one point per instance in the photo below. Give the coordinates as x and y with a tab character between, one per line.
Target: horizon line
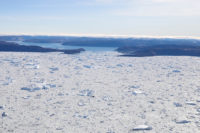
104	36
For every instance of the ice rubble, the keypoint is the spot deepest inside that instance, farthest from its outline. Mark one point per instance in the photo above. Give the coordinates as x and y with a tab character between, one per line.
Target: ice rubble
98	92
142	127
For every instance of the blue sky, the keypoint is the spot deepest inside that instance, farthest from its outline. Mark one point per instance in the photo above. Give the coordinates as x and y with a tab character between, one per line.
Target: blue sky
101	17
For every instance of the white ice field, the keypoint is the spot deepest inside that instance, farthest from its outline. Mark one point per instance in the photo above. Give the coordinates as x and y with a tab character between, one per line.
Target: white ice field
98	92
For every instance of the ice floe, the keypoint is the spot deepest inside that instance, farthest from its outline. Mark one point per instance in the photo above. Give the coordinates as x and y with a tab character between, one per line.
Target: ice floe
142	127
99	93
182	121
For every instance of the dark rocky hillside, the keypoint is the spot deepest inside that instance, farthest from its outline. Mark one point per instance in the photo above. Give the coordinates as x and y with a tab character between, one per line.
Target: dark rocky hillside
14	47
160	50
100	41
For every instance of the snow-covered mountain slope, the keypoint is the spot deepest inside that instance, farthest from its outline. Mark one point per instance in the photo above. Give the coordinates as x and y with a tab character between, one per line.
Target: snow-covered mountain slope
98	93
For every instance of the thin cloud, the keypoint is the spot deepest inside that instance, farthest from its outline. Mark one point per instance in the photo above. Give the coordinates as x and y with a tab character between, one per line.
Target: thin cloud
161	8
150	7
30	19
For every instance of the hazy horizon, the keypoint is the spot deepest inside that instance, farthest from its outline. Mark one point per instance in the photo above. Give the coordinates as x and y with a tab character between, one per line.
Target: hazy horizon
101	17
107	36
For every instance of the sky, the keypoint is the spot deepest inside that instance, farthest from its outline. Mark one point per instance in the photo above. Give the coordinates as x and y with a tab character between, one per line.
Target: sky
101	17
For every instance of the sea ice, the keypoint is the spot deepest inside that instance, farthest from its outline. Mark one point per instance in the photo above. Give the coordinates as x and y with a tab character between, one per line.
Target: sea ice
191	103
33	88
142	127
176	71
86	66
98	99
4	114
86	92
182	121
136	92
178	104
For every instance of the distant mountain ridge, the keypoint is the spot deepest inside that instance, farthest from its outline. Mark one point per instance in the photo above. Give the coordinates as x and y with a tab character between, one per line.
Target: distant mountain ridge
100	41
136	47
160	50
14	47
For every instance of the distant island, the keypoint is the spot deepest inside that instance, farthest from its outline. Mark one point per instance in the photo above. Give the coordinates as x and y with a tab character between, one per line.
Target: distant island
123	42
160	50
14	47
134	47
100	41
